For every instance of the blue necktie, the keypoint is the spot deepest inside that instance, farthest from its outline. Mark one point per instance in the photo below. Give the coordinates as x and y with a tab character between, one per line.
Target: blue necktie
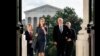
61	29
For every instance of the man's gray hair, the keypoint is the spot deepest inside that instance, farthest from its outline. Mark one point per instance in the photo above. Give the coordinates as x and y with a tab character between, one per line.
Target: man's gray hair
69	23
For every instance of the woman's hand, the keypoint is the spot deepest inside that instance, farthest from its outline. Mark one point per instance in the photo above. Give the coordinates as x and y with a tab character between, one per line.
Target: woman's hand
44	30
36	35
30	41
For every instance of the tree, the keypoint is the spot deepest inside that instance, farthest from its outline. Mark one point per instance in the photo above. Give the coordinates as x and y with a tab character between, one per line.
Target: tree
68	14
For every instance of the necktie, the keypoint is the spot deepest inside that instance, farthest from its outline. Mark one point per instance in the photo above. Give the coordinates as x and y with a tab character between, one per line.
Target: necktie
61	29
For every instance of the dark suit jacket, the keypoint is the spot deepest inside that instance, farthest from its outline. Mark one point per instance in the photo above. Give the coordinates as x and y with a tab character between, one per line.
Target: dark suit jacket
72	34
59	37
41	36
27	36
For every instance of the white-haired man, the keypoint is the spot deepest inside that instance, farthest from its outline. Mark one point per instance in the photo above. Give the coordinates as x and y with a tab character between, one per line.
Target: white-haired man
70	48
60	32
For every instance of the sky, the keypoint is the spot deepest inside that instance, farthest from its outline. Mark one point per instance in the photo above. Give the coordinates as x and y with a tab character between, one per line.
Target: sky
76	4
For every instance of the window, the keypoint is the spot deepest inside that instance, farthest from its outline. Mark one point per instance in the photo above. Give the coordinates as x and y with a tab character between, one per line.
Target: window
29	19
35	23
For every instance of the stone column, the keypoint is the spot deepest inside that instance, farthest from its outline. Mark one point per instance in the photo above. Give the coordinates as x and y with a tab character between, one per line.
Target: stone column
24	46
82	44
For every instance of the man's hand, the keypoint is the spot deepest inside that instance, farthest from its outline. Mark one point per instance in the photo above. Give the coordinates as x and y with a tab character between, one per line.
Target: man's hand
66	38
69	39
55	43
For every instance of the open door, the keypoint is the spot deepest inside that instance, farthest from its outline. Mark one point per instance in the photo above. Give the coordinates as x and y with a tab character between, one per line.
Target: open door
19	28
90	27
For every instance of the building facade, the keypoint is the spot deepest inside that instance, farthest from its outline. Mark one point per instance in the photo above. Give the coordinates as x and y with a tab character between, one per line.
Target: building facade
32	16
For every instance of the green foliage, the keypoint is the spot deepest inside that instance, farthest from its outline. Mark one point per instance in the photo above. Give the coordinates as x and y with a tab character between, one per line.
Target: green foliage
68	14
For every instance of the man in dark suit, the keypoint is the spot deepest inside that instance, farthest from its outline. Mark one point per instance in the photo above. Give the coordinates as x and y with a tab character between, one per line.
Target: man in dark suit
60	32
71	37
